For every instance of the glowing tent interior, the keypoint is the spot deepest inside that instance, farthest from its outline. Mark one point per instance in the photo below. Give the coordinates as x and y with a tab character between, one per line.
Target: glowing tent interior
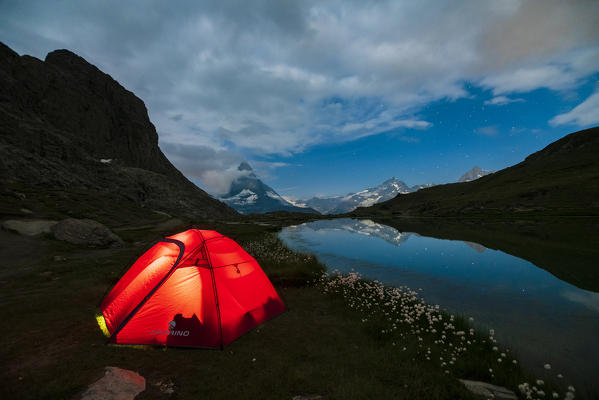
197	288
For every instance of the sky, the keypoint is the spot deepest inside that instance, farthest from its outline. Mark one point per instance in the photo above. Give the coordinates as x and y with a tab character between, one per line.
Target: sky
331	97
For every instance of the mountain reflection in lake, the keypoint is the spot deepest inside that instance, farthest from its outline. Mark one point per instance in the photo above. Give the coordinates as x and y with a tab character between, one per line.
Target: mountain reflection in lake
542	318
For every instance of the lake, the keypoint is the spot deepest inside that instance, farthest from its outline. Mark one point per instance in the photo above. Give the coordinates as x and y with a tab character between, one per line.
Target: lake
542	318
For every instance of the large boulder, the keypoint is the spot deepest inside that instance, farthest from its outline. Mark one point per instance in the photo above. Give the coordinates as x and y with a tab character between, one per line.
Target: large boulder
117	384
85	231
28	227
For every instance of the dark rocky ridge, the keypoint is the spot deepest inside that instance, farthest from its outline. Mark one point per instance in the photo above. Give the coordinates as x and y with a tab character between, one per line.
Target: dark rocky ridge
60	117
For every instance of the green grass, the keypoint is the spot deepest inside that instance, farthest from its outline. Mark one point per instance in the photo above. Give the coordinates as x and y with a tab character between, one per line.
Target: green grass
282	265
52	347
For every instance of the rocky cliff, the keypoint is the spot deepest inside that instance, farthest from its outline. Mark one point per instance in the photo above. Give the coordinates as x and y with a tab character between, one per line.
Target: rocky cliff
74	141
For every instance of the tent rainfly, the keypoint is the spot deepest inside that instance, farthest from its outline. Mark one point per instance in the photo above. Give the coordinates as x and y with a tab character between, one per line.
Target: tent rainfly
197	288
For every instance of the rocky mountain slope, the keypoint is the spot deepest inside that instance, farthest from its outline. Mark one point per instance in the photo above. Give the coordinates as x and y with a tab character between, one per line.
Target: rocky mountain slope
249	195
473	174
74	142
342	204
561	179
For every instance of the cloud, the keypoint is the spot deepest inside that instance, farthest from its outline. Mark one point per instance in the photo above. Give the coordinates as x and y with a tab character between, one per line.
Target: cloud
265	169
584	114
381	124
212	169
276	77
537	32
502	100
488	130
528	78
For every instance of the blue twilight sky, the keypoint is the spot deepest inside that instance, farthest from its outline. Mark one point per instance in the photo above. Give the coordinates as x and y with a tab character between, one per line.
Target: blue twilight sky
465	132
332	97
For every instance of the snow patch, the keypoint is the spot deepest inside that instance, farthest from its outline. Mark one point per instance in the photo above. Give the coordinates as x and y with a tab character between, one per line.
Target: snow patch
294	202
275	196
244	197
370	201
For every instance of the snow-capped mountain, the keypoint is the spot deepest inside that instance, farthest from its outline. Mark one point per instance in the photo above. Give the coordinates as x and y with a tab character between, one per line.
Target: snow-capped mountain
250	195
342	204
474	174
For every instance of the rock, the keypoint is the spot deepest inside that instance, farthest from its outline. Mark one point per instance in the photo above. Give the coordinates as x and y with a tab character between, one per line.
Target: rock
117	384
167	387
29	227
489	391
85	231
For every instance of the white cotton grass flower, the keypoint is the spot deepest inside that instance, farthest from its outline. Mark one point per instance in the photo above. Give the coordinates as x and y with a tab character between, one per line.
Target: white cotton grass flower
526	390
540	382
555	395
547	366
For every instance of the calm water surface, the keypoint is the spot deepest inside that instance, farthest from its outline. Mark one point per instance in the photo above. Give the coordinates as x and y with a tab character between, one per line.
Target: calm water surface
540	317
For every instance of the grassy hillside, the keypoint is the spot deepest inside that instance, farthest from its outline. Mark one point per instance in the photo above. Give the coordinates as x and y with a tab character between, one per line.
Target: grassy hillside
561	179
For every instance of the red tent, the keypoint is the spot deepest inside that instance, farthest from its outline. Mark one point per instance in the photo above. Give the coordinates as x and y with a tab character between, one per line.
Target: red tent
197	288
